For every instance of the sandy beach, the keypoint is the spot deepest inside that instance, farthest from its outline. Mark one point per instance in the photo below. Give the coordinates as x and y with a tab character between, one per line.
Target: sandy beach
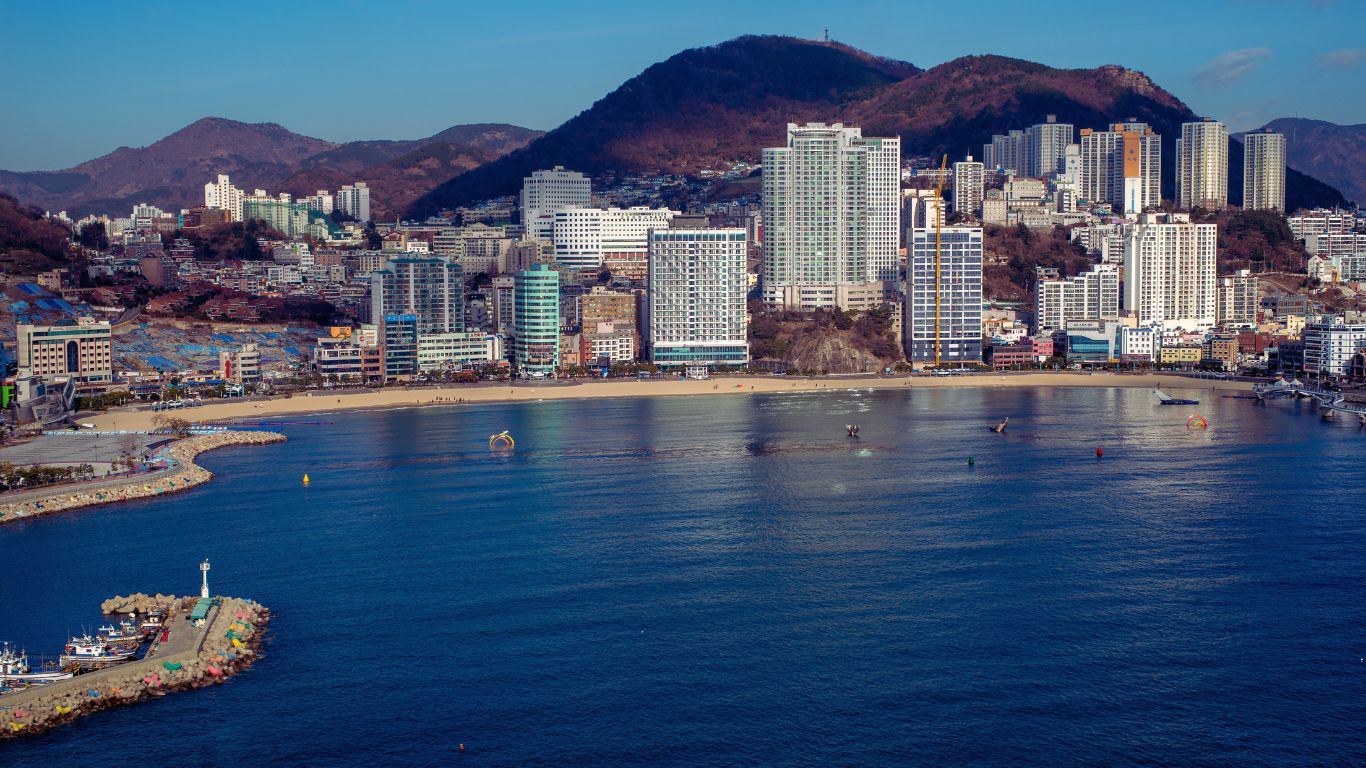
325	401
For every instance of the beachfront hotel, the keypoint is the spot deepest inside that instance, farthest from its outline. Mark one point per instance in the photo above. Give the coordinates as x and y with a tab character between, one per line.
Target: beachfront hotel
545	192
536	324
1091	295
697	297
831	212
959	292
81	351
585	238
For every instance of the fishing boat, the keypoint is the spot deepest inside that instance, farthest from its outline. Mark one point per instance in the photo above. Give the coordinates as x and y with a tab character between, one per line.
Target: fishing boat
152	624
16	673
126	637
1165	399
87	652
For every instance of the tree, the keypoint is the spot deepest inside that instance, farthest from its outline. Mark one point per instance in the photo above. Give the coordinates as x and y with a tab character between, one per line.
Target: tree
93	236
172	424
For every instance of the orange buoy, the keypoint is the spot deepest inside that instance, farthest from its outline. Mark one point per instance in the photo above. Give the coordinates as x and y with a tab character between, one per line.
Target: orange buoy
1099	453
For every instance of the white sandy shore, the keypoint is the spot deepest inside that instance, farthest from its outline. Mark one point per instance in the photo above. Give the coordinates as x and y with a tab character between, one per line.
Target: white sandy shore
324	401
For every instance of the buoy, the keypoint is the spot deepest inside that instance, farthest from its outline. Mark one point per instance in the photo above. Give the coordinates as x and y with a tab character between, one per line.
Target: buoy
462	747
1099	453
972	460
306	480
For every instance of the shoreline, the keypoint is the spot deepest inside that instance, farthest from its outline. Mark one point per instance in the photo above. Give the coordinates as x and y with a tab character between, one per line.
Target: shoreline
184	474
322	401
227	644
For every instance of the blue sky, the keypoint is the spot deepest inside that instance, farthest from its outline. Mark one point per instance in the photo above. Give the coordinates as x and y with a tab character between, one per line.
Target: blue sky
83	78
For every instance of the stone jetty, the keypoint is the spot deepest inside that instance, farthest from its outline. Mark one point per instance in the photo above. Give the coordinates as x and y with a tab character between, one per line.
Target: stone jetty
184	474
191	657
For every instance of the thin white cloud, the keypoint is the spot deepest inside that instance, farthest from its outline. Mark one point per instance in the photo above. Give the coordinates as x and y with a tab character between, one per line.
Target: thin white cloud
1342	58
1230	66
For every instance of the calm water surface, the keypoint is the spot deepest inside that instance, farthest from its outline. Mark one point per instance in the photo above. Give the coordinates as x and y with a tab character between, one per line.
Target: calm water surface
732	581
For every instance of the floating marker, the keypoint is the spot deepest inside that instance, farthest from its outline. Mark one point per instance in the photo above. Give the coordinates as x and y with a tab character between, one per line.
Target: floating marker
1099	453
306	480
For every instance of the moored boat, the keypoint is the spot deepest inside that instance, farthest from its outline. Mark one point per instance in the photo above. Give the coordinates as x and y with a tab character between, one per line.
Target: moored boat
87	652
126	637
16	673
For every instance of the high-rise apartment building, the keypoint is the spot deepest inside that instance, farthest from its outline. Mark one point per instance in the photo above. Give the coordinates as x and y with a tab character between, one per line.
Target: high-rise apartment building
587	238
969	186
1122	166
82	352
1330	346
223	196
1092	295
1035	152
503	300
1237	300
536	326
1046	144
1264	171
432	289
832	211
545	192
354	201
946	310
697	294
1169	272
1202	166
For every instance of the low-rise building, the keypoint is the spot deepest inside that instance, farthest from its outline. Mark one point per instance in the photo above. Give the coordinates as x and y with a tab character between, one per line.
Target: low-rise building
82	352
240	366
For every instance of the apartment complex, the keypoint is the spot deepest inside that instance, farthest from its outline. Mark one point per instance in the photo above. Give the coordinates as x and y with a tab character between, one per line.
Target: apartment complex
969	186
697	297
1169	272
431	289
1122	166
1202	165
1237	299
831	212
1092	295
1264	171
354	201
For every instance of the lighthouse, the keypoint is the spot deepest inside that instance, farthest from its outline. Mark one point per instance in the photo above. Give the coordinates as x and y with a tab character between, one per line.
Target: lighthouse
204	569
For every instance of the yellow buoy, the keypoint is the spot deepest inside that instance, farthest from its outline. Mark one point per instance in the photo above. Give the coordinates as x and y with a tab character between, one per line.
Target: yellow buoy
306	478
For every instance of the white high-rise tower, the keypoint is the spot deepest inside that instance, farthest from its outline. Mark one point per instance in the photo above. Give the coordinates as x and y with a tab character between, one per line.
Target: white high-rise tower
545	192
1264	171
1202	165
832	213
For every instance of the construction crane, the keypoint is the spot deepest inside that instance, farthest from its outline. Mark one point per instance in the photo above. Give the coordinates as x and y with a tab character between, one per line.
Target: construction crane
938	254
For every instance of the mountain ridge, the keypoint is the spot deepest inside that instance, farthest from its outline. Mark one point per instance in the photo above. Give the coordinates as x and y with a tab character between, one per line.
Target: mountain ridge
951	108
171	171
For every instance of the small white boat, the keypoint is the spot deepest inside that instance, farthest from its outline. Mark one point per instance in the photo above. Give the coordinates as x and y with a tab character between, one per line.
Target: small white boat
87	652
15	671
152	624
127	637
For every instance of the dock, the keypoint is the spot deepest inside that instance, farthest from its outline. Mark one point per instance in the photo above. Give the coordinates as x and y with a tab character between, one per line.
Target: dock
225	643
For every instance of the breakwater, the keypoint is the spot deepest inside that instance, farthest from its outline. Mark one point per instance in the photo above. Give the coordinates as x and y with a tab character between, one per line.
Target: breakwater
184	473
189	657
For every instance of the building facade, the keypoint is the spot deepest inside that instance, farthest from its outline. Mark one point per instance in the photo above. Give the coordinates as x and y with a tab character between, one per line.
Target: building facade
1169	272
546	192
81	352
697	290
1238	299
354	201
1330	346
958	316
1122	166
430	288
1092	295
1264	171
1202	166
240	366
536	348
831	209
586	238
969	187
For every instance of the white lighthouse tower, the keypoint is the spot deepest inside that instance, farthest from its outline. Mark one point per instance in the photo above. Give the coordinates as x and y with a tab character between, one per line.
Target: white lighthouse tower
204	569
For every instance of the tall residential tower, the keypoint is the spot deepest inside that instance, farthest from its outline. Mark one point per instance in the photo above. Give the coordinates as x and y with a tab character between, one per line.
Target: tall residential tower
1202	166
1264	171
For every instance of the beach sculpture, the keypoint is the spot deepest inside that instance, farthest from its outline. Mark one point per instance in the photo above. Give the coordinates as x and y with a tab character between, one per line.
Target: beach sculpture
501	441
1197	422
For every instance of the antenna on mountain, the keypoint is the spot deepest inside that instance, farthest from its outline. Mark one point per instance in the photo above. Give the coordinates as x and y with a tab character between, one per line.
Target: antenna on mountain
827	35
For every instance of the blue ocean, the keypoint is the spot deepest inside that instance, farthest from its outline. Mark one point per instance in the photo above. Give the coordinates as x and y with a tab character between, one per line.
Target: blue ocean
731	580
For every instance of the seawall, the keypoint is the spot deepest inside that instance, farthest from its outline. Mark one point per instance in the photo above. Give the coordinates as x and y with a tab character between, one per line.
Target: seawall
185	474
193	657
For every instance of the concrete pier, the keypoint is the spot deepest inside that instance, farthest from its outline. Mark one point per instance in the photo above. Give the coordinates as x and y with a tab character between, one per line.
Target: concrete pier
191	657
